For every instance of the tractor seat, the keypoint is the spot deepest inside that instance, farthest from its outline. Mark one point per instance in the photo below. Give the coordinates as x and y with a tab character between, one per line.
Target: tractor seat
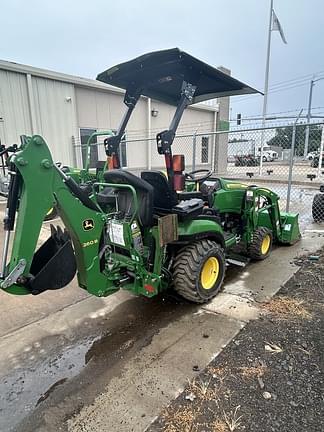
163	197
107	197
165	200
144	192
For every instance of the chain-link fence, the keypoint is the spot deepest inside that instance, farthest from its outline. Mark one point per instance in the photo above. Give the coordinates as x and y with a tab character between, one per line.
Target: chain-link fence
288	159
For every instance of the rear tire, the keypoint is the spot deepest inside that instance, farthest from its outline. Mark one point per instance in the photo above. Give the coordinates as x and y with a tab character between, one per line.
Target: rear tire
199	270
261	244
318	208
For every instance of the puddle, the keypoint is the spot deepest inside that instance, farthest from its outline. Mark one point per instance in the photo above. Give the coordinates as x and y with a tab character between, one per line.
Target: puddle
25	388
51	363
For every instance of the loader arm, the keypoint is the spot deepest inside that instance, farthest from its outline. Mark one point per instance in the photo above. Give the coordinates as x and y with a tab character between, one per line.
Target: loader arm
284	226
36	185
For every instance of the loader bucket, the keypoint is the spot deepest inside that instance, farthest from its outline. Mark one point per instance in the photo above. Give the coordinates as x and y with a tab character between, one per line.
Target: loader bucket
54	264
290	233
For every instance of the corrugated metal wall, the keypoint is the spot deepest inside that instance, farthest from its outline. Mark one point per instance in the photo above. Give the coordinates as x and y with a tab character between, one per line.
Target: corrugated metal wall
14	107
102	110
48	110
55	116
57	110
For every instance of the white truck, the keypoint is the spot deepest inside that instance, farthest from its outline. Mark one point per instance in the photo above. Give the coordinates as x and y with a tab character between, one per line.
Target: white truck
268	155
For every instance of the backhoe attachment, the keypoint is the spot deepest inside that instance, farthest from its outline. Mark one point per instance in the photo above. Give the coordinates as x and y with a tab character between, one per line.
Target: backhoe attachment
53	265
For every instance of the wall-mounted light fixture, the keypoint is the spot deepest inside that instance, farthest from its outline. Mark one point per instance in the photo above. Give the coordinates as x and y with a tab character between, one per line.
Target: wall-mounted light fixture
68	99
154	112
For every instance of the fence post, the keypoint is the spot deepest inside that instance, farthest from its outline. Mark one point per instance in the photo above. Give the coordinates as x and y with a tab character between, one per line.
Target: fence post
261	152
194	145
320	159
291	163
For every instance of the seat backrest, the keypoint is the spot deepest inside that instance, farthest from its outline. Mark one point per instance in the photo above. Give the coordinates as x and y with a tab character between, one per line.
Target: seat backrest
144	192
163	196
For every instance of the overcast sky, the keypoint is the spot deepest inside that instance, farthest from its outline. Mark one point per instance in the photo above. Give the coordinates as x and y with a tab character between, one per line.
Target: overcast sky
85	37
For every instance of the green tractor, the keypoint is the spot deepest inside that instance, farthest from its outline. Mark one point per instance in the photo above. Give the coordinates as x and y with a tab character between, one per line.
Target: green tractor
143	234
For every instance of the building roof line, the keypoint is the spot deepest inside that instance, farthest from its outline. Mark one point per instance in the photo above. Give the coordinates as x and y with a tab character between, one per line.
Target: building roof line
76	80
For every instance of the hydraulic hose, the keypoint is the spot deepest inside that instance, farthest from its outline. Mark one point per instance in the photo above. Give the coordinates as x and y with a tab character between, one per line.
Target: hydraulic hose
12	201
79	193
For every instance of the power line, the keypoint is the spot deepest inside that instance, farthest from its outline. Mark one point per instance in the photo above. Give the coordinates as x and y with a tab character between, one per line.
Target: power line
254	116
296	79
284	84
271	91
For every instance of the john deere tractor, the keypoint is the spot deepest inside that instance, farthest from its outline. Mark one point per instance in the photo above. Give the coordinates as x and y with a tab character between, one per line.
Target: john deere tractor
142	233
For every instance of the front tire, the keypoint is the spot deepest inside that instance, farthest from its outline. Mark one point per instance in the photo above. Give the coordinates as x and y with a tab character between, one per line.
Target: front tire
261	245
199	270
318	208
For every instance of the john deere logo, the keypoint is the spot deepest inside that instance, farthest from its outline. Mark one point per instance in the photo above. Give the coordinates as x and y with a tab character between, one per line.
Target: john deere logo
88	224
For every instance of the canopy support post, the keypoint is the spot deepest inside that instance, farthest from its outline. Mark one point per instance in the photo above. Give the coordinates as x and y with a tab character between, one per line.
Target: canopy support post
112	143
165	138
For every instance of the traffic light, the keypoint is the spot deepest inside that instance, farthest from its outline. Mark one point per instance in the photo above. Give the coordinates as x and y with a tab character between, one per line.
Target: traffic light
238	119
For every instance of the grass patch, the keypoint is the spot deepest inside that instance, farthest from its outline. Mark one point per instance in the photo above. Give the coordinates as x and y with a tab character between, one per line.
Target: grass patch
249	372
219	426
179	420
286	308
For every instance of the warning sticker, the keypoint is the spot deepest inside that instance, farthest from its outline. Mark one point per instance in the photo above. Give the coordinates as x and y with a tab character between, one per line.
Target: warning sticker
116	233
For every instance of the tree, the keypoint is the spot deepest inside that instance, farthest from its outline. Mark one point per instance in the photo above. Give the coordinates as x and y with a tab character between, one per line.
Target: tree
283	138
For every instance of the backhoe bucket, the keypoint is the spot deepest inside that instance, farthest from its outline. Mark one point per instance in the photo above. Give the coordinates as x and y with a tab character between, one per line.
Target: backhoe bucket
54	264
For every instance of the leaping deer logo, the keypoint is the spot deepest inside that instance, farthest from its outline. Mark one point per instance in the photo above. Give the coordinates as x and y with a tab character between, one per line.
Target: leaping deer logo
88	224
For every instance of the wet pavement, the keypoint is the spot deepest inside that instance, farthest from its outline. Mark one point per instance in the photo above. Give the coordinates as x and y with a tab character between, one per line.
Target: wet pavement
99	346
84	367
41	368
28	385
81	363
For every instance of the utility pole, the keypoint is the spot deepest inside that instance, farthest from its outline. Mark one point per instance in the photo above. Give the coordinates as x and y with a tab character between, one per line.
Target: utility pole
309	113
320	159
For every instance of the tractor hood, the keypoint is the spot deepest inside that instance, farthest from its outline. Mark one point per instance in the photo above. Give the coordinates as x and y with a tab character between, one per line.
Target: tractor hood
160	75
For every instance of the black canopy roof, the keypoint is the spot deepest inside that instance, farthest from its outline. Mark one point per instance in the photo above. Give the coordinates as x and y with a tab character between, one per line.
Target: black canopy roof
160	74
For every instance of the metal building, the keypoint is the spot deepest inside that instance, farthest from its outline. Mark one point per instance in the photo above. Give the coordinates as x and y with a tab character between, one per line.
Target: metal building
65	109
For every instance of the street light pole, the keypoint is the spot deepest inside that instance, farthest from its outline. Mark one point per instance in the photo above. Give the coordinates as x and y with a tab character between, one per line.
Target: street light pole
309	113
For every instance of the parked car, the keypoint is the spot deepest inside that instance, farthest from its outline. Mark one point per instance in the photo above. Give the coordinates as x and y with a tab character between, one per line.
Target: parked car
312	154
318	206
268	155
315	161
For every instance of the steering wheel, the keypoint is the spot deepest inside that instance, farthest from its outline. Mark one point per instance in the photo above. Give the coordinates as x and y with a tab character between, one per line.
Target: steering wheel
194	175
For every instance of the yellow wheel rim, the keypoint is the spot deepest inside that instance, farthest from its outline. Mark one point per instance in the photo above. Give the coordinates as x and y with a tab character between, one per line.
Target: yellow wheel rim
265	245
209	273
